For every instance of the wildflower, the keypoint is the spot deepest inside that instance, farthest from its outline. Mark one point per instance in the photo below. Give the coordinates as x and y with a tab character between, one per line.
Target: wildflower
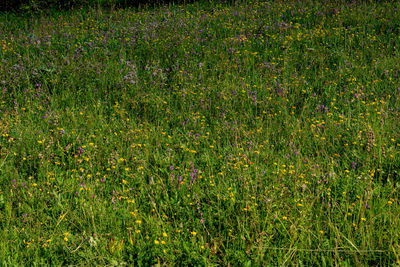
156	242
353	165
193	233
66	236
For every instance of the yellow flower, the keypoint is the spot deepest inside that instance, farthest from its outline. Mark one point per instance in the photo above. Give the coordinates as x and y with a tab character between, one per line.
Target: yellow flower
156	242
165	234
193	233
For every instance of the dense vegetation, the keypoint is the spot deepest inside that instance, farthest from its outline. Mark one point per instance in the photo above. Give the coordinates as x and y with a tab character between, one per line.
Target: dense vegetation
259	133
45	6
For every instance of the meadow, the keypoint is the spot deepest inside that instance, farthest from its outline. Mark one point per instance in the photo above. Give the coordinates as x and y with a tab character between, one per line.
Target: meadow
206	134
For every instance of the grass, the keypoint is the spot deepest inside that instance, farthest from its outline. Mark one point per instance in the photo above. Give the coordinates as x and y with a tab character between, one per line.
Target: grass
251	134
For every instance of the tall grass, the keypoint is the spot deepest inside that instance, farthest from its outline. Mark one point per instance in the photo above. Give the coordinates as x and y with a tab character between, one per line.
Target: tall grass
251	134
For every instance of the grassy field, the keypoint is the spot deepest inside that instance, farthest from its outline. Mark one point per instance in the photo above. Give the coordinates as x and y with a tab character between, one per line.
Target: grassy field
251	134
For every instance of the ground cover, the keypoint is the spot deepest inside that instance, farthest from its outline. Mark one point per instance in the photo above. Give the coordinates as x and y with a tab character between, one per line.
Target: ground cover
256	133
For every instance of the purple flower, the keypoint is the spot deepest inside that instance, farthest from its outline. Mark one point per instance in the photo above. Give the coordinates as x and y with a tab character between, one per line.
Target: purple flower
279	90
179	181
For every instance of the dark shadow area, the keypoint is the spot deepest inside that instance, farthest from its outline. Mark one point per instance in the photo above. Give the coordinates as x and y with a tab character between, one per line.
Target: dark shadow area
64	5
39	5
